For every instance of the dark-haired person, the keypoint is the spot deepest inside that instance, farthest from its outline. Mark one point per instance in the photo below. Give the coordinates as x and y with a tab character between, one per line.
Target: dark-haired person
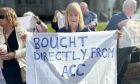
58	20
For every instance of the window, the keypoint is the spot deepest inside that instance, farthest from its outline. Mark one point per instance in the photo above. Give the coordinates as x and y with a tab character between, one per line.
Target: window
1	1
40	1
34	2
30	1
20	1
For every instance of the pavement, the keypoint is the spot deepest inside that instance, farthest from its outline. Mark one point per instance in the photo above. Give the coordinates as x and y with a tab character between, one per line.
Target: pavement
131	81
132	75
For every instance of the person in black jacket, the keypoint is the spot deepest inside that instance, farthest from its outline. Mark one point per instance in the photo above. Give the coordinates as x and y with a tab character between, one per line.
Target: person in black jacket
58	20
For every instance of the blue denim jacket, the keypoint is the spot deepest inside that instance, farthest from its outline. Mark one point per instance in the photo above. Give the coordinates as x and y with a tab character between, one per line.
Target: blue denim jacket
89	17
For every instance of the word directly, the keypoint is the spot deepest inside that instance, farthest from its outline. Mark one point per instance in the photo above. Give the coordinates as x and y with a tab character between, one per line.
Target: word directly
82	54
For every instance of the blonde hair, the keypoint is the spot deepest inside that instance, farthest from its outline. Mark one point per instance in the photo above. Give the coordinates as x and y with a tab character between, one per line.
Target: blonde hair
10	15
74	6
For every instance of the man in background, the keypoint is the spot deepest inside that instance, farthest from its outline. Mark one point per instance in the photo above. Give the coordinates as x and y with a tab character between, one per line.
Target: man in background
117	22
90	18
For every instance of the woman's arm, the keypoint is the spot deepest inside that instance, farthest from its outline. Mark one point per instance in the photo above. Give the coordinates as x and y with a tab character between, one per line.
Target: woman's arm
20	53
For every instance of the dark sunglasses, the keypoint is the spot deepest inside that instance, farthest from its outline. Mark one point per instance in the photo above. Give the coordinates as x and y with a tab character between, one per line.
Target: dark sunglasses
2	17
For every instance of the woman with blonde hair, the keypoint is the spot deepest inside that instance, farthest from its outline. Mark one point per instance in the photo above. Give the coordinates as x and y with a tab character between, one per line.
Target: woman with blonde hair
73	19
14	58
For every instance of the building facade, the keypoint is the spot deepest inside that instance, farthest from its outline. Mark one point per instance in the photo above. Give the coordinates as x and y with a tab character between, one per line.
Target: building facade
103	8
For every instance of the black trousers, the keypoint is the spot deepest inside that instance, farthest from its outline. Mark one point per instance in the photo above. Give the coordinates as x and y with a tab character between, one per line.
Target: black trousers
123	59
11	72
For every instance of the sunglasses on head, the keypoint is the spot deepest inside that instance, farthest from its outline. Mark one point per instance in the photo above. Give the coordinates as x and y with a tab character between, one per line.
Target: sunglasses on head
2	17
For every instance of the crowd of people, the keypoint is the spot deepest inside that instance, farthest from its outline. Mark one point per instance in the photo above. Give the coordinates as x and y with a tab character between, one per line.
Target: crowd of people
76	18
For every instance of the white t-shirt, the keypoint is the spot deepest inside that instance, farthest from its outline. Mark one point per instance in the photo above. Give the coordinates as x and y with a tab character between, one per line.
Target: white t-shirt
131	35
61	20
125	40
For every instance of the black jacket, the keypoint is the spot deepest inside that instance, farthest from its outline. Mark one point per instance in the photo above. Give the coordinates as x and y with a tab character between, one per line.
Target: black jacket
68	30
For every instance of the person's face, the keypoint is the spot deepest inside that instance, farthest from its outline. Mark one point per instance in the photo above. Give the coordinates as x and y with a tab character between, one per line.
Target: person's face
3	20
73	19
83	8
131	10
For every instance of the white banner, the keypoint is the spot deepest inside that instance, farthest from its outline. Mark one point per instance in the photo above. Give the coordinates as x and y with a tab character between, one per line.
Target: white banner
72	58
131	34
27	22
133	30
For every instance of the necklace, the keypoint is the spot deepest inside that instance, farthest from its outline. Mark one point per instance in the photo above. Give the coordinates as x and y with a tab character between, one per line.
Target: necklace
6	36
7	33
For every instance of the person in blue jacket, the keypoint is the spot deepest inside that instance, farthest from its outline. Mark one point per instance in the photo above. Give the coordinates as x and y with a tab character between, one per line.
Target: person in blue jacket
116	23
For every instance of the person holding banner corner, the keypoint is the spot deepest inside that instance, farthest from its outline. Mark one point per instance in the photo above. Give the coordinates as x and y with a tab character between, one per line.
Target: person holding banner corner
40	25
117	22
58	20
